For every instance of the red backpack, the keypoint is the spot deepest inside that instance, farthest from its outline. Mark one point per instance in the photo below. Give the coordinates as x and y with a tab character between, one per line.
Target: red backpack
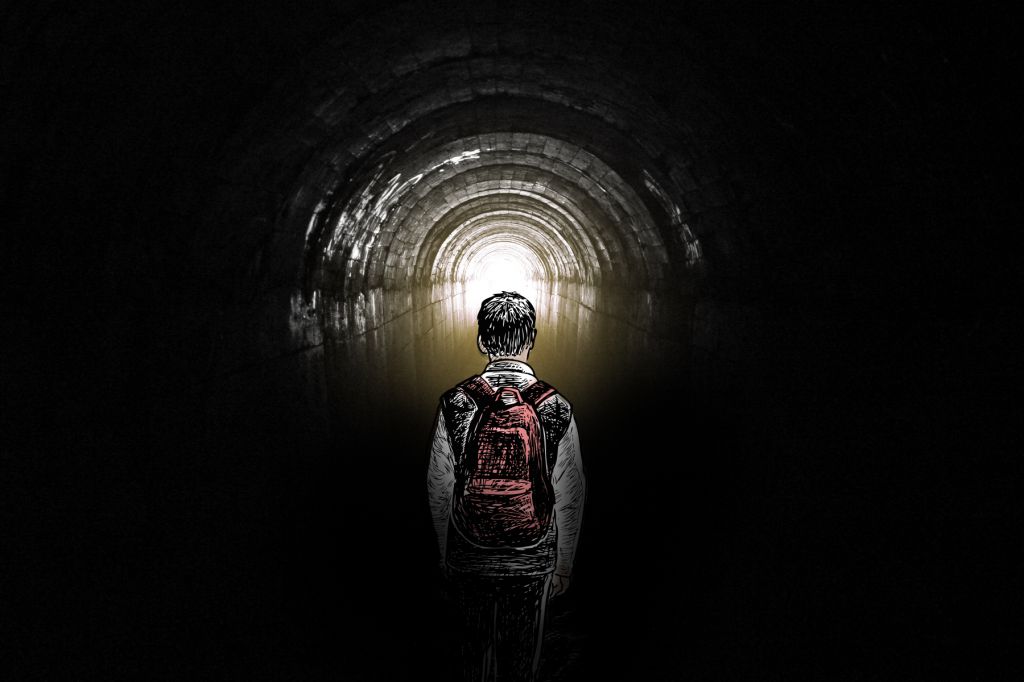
503	493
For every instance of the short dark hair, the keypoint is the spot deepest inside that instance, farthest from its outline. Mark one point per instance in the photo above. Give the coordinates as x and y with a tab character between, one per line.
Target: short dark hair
507	323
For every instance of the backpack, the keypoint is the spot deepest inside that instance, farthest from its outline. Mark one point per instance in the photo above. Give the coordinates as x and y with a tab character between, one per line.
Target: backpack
503	492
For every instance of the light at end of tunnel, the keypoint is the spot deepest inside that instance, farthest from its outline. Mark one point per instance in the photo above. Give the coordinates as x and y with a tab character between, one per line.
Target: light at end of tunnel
501	267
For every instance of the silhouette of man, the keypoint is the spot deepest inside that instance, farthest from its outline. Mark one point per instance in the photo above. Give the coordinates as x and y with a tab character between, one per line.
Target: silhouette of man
501	578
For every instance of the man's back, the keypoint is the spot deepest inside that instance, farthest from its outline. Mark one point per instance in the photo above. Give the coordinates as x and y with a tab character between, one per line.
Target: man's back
502	587
458	410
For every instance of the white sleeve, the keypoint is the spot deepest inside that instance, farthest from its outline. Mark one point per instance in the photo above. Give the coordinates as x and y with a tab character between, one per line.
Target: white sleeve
570	493
441	481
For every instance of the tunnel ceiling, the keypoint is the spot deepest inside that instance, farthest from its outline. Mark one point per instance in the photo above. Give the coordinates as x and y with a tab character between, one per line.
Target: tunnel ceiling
418	147
498	150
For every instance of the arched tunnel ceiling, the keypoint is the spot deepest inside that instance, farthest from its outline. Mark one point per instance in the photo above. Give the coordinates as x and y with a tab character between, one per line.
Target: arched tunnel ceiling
488	148
538	137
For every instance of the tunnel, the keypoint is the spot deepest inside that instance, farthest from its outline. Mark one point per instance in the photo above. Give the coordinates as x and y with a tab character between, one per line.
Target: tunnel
247	247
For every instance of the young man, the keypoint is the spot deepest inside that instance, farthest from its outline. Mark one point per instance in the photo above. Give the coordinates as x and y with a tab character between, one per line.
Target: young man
506	497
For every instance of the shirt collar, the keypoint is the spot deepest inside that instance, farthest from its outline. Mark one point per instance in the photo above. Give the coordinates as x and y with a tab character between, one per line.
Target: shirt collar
509	366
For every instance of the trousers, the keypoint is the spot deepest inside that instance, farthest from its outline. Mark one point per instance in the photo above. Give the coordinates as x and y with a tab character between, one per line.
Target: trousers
502	625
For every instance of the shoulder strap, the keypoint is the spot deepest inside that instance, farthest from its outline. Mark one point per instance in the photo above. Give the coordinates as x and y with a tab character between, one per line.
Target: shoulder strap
538	392
478	389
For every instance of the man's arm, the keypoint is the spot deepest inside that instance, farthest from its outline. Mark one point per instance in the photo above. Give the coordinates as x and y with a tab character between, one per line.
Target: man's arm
441	482
570	493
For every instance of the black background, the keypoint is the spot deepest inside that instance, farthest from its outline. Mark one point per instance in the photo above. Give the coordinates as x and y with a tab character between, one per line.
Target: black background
861	528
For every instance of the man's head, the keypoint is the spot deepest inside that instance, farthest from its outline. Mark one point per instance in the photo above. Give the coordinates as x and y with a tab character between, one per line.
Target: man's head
507	325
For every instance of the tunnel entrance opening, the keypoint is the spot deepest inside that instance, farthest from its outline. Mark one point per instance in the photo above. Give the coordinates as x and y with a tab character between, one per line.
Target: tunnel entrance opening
500	266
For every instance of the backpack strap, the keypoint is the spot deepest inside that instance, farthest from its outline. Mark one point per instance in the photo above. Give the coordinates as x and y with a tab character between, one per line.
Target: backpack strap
538	392
478	389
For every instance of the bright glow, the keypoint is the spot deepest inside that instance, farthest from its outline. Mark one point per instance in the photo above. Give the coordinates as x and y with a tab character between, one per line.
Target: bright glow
503	268
500	266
